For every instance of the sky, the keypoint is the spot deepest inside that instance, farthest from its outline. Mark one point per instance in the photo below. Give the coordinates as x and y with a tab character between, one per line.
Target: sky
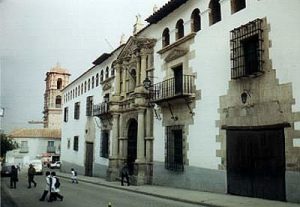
35	35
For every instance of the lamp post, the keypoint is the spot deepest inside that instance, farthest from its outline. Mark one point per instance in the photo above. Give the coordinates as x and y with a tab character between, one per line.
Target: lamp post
147	83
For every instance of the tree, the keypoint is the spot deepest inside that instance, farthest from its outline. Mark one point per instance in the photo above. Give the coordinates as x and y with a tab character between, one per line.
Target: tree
7	144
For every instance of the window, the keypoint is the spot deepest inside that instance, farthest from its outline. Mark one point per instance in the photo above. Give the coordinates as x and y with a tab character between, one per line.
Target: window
81	88
101	76
84	86
58	102
66	114
174	148
166	37
246	50
77	110
196	20
24	147
76	92
93	81
237	5
112	72
89	84
179	29
104	144
215	13
106	72
89	106
75	143
50	147
69	144
59	83
97	79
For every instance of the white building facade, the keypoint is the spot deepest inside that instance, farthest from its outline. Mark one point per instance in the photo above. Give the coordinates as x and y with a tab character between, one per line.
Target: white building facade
221	112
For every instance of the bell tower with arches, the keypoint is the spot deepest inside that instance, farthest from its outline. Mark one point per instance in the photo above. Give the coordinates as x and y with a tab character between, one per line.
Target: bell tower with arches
56	79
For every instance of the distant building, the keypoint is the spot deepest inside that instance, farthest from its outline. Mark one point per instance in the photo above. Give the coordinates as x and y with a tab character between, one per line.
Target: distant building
43	143
205	97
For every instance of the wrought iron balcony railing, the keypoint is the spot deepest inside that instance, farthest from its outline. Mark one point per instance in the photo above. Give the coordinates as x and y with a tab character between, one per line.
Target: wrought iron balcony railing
101	109
173	88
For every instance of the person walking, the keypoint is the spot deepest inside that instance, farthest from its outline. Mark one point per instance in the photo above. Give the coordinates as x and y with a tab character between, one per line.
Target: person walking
55	188
125	174
74	176
13	177
47	187
31	173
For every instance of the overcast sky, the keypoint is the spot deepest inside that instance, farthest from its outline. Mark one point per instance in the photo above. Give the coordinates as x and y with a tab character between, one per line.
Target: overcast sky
36	34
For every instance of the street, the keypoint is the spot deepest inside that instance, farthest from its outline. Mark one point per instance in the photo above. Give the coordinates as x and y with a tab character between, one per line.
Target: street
78	195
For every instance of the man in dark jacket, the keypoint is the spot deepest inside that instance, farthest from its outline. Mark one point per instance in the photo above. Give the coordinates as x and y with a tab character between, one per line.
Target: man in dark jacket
13	177
125	174
31	173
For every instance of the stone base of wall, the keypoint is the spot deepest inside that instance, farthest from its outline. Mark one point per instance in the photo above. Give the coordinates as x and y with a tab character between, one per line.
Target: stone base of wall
193	178
100	170
292	183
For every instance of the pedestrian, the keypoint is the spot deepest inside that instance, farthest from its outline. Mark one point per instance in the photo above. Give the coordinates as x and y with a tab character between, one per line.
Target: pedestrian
47	187
31	173
55	188
13	177
125	174
74	176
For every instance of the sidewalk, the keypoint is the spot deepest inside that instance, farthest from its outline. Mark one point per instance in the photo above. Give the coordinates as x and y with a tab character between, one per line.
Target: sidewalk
187	196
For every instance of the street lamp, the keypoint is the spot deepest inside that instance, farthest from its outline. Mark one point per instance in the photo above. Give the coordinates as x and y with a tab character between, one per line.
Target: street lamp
147	83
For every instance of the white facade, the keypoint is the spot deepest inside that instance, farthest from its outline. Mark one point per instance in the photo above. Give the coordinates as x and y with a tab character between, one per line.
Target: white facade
206	118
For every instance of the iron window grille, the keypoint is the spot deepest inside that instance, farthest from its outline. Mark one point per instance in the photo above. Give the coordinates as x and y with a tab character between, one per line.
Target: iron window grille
247	50
174	149
89	106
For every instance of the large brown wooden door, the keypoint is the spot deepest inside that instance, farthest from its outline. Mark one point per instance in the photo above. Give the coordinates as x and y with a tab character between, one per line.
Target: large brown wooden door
89	153
256	163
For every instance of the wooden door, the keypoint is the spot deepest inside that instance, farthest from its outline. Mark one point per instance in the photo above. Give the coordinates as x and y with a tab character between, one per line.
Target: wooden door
132	145
89	153
256	163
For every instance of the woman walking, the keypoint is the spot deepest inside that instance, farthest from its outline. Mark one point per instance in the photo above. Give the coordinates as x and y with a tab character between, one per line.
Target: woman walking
13	177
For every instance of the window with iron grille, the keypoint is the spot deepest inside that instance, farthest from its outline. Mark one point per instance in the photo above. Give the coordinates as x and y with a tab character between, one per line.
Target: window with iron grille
174	149
89	106
75	143
76	110
247	50
104	144
66	114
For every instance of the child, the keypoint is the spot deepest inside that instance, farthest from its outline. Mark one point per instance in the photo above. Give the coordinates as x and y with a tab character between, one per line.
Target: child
74	176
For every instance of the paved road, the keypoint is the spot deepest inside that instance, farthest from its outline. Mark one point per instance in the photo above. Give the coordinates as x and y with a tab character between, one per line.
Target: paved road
83	194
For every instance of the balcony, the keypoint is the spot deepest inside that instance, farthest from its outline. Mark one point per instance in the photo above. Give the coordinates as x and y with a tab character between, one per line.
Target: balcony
51	149
173	88
101	109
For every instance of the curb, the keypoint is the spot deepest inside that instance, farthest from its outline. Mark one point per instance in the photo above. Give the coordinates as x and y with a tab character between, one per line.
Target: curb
144	193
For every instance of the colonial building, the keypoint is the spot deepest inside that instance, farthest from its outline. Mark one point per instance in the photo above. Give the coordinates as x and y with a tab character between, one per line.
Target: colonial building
204	97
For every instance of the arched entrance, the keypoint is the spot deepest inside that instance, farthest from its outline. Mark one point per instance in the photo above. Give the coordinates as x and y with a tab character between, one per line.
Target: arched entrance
132	144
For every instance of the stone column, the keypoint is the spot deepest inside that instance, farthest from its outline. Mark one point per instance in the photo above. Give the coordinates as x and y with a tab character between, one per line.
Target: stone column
140	136
122	139
143	67
149	135
138	71
117	79
115	135
124	72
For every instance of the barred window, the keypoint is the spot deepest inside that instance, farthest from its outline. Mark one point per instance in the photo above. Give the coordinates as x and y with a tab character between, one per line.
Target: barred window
215	12
166	37
174	148
76	110
104	144
196	20
246	50
179	29
89	106
75	143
